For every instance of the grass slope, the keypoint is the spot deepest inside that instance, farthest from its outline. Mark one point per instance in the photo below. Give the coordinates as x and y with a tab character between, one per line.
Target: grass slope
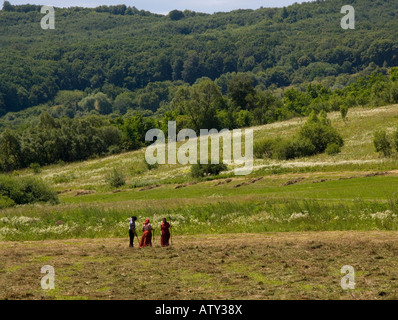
357	155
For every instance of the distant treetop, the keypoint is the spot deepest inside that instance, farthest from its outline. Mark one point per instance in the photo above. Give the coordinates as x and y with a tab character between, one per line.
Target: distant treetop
176	15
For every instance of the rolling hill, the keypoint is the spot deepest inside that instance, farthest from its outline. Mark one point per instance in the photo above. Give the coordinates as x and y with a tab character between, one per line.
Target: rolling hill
121	49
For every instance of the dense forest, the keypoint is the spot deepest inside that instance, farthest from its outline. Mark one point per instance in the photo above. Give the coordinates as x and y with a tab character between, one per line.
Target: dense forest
105	75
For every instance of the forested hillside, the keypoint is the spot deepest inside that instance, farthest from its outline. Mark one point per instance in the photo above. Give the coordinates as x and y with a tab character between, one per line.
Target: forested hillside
119	49
106	75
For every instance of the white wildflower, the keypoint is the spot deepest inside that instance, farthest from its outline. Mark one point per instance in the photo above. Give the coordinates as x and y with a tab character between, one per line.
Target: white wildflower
8	231
297	216
381	215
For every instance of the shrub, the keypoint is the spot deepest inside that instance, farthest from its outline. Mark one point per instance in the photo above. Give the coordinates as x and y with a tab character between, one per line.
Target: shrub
382	143
320	136
116	179
6	202
284	149
35	167
335	103
64	178
395	139
333	149
26	190
314	137
304	147
264	148
292	148
151	166
343	112
394	93
114	150
203	170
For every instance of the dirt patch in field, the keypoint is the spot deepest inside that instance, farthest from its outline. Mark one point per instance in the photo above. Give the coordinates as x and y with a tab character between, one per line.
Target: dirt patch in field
291	182
223	182
321	181
251	181
185	185
150	187
84	192
238	266
375	174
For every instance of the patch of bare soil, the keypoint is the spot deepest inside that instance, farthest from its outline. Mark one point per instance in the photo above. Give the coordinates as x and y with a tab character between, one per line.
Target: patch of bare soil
291	182
185	185
84	192
251	181
321	180
150	187
375	174
223	182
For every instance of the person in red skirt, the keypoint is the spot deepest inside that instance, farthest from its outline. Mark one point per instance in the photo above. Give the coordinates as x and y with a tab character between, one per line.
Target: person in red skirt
146	239
165	236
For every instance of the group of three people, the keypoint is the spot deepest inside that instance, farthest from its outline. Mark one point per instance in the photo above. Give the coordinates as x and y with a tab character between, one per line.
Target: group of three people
147	233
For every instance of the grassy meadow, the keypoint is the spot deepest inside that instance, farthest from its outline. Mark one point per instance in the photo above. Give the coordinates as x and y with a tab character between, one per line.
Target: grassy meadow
354	190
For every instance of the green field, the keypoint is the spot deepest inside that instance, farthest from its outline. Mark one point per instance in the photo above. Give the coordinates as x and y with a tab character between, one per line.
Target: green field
354	190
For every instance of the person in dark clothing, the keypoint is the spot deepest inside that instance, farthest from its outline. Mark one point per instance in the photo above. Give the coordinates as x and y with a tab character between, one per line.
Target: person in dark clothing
132	231
165	233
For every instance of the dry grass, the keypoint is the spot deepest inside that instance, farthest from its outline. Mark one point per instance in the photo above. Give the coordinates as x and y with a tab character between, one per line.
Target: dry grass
245	266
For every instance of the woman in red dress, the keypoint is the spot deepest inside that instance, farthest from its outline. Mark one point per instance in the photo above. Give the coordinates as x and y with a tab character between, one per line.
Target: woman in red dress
146	239
165	237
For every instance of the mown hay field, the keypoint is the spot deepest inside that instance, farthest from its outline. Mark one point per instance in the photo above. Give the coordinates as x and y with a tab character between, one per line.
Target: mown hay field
298	265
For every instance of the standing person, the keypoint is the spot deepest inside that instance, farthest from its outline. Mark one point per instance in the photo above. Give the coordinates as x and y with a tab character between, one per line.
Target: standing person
132	231
165	237
146	239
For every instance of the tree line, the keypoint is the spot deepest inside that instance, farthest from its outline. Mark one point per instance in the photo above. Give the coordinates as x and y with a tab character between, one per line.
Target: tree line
200	106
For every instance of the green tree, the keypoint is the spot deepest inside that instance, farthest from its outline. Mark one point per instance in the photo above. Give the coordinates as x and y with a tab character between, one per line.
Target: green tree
239	88
98	102
176	15
244	118
382	143
192	69
7	6
123	102
200	103
10	151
